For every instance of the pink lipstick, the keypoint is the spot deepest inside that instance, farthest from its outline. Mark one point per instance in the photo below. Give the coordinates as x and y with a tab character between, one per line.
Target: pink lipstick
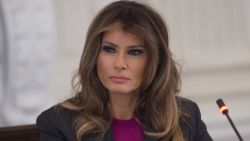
119	79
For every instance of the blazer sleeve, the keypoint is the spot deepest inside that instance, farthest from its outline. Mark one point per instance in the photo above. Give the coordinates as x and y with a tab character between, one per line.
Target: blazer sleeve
55	125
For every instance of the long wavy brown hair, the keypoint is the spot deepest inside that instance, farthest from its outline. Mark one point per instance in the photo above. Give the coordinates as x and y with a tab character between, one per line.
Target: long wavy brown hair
157	102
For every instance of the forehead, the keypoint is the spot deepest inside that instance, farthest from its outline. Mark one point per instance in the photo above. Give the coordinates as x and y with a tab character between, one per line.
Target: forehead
116	32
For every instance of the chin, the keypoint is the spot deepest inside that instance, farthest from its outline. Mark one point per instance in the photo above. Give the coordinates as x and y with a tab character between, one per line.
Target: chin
119	90
122	91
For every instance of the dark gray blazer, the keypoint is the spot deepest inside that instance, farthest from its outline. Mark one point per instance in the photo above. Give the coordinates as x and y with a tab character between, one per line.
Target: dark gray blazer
55	124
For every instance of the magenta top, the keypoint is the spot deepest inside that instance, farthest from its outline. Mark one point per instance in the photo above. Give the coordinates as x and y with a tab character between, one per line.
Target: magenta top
127	130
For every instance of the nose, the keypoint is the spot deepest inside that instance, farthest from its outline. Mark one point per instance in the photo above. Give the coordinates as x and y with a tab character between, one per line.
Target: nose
120	62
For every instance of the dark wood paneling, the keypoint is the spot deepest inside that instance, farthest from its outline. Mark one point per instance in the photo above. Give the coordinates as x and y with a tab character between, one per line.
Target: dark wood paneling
19	133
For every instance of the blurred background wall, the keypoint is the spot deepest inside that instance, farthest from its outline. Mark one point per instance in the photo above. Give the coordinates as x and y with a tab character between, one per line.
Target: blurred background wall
41	43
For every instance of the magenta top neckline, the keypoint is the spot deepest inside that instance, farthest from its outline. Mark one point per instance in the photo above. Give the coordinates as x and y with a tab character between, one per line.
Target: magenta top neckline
127	130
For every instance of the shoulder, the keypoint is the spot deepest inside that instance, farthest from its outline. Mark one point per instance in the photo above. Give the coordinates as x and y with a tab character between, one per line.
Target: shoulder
189	113
59	113
185	103
189	109
56	122
193	127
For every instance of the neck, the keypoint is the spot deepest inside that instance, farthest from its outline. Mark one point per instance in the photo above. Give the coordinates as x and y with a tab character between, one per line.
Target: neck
122	106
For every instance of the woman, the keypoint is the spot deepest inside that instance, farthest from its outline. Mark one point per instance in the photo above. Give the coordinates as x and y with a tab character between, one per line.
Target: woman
126	86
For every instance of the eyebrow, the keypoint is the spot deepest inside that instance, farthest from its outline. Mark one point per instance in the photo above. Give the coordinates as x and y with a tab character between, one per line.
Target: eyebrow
114	45
107	42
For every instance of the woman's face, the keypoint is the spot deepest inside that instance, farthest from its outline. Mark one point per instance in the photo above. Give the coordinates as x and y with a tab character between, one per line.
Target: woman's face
121	61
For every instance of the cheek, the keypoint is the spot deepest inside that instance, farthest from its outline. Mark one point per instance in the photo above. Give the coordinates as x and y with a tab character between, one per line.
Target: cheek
139	68
103	63
140	73
99	66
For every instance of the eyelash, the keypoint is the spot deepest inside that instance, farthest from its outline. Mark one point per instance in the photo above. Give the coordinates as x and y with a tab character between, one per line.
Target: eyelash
134	52
109	49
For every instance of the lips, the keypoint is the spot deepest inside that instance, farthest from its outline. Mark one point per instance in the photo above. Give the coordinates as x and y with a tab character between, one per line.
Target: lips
119	79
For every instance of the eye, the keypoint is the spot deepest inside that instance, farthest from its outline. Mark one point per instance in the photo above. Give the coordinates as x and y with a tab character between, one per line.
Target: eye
109	49
135	52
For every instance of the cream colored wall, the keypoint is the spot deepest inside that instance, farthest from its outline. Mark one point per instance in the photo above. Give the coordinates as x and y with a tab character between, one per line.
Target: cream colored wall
26	56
